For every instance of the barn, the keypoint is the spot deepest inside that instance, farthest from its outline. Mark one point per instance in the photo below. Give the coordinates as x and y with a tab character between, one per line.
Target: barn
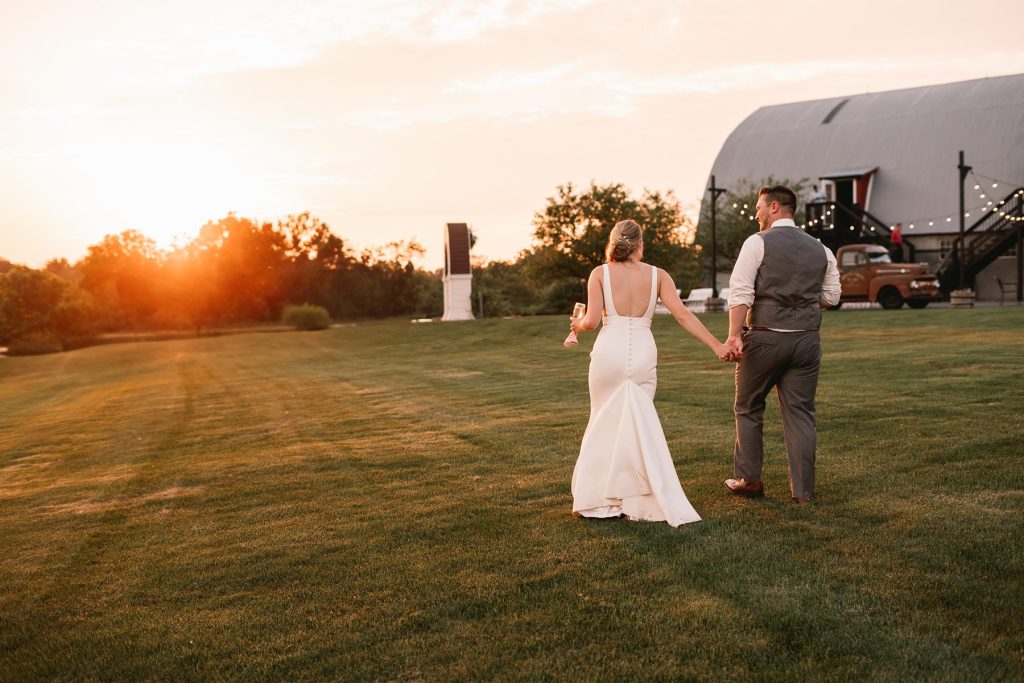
894	157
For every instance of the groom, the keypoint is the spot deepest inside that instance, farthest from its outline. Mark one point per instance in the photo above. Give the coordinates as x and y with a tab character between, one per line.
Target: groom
782	279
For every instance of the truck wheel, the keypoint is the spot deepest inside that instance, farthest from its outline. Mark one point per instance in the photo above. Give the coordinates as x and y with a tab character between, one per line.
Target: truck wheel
890	298
917	303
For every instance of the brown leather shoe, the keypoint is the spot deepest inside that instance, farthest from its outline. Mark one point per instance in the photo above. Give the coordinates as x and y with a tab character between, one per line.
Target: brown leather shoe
802	501
747	489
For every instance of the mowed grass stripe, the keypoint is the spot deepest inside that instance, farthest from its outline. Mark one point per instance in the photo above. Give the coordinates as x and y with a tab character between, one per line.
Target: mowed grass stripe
388	501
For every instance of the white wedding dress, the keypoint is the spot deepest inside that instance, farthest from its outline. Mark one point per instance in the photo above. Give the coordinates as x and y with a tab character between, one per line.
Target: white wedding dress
625	467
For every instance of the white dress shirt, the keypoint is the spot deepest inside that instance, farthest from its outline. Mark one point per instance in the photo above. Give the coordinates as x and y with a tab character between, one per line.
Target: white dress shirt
744	273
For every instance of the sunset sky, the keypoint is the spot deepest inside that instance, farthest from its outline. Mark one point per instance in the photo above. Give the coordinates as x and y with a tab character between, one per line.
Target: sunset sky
387	119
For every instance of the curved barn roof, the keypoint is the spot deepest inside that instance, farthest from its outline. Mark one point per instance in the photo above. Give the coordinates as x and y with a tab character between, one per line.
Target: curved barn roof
911	136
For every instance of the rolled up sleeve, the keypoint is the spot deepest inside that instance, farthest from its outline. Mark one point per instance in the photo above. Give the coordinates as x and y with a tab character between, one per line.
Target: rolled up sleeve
831	289
744	273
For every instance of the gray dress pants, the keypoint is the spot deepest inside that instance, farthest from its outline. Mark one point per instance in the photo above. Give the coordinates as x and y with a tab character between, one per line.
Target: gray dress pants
790	362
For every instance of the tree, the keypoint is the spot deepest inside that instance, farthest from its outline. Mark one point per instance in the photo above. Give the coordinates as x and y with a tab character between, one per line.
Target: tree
505	289
242	267
123	273
190	284
28	303
388	283
76	319
572	231
308	238
64	270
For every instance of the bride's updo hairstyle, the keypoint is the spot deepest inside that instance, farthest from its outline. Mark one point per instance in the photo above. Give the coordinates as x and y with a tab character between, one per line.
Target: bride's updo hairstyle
626	238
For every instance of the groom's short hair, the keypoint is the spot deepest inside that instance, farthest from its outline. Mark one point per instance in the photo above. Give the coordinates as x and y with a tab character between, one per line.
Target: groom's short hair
781	194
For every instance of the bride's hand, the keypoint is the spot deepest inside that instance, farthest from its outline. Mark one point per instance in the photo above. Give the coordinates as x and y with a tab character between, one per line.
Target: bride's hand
576	324
725	352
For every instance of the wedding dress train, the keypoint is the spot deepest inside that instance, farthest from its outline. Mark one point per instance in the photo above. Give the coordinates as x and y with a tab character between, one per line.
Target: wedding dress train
624	466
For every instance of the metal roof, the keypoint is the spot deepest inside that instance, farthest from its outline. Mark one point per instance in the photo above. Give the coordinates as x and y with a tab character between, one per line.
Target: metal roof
911	136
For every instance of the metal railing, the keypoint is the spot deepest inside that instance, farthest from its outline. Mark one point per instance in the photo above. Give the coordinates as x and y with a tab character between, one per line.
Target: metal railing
983	242
836	224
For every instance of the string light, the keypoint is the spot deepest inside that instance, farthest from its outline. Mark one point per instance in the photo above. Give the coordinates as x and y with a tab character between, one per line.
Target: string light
1003	181
937	219
988	207
985	209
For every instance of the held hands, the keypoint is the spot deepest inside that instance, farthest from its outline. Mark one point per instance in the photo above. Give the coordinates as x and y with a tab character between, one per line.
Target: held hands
725	352
731	350
736	341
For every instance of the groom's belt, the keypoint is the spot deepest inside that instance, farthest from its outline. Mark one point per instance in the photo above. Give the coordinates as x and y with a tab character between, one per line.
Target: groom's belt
747	328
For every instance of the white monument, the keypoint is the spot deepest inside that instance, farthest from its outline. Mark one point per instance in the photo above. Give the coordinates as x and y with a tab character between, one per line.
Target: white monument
458	280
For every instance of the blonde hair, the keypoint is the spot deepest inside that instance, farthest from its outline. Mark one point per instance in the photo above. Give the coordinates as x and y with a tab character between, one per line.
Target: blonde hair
626	238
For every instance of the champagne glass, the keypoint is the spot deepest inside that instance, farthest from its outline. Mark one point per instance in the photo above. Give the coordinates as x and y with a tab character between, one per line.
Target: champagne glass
578	311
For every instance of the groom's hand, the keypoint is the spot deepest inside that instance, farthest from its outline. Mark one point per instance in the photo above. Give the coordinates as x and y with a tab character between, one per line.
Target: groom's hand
736	342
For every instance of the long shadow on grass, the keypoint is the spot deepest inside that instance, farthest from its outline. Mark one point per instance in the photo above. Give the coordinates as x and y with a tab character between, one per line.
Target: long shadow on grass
781	571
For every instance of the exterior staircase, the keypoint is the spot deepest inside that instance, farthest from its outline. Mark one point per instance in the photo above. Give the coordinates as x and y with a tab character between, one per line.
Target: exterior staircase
987	239
837	224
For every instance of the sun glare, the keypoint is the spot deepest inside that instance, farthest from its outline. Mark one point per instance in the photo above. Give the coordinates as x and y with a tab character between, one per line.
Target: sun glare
166	186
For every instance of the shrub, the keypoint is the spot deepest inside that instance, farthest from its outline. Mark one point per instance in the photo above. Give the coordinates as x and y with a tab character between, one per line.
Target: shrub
306	317
34	343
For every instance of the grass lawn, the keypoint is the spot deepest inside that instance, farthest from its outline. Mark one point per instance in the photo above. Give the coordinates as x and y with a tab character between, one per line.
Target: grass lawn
391	501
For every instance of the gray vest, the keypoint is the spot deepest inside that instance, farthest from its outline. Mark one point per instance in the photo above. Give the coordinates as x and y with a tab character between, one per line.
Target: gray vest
788	285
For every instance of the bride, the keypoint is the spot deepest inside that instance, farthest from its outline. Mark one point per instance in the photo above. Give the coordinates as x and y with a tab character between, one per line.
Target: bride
624	467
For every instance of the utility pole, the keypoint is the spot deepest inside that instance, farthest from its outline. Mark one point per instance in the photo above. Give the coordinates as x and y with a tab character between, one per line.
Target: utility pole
715	191
964	170
962	297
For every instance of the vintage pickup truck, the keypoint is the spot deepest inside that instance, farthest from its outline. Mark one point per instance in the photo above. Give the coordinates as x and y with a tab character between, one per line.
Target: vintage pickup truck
867	273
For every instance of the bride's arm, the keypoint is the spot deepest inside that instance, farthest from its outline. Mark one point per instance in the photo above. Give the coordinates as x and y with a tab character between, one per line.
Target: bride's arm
595	304
686	319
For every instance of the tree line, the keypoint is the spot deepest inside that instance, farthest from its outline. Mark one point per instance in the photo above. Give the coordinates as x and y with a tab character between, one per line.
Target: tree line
571	232
240	271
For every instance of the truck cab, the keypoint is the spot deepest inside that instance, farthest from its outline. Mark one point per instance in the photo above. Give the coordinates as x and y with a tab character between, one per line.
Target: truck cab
867	273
